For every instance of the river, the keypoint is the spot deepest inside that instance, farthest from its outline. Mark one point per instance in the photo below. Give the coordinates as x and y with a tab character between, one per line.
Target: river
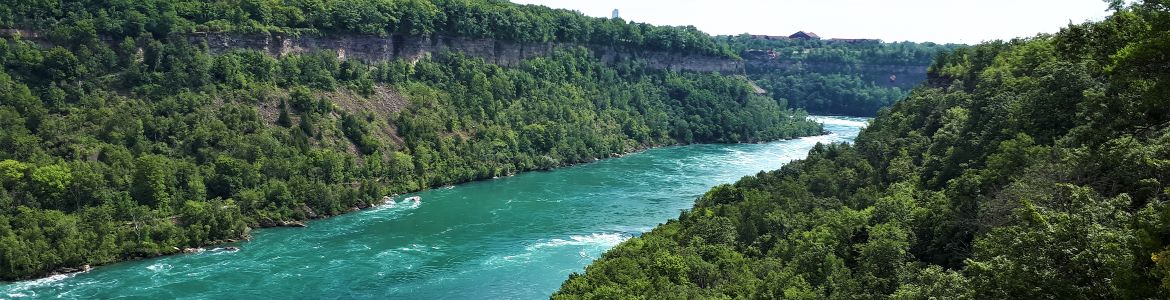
509	238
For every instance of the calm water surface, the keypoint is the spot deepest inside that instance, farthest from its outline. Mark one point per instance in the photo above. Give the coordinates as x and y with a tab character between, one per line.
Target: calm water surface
509	238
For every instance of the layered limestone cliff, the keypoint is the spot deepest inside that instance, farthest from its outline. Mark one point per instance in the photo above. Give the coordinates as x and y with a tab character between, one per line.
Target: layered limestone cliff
504	53
373	48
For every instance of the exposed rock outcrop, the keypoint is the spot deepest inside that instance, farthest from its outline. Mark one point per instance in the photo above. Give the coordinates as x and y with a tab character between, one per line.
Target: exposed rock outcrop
81	269
268	223
373	48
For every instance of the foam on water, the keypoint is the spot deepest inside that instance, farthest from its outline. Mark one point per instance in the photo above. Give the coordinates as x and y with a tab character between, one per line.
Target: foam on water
607	240
26	288
851	122
159	267
582	246
415	248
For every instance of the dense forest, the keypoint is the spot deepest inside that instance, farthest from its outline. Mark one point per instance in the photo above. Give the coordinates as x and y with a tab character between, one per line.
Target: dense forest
1027	169
835	77
149	144
496	19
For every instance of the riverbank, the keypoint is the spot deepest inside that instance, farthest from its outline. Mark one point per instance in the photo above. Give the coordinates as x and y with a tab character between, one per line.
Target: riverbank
513	237
364	204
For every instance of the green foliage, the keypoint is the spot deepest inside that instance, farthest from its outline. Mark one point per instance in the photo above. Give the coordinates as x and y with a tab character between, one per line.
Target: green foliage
48	183
79	21
1028	169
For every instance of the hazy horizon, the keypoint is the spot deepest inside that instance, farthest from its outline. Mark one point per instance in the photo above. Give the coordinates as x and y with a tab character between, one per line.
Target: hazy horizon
895	20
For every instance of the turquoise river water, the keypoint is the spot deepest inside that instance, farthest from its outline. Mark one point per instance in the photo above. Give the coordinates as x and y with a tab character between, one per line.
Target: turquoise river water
509	238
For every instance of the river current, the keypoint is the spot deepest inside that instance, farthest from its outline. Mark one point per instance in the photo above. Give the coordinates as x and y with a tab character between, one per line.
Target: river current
509	238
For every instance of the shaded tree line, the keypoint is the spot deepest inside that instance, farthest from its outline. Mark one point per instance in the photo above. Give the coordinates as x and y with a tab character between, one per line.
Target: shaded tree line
477	19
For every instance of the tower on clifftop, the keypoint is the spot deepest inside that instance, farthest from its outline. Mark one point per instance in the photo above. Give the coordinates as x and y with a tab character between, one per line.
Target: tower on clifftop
615	14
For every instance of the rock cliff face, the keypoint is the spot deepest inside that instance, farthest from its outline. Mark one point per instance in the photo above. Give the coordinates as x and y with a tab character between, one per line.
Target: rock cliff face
902	76
372	48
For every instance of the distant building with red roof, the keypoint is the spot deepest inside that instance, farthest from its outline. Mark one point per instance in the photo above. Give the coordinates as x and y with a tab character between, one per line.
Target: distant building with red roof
804	36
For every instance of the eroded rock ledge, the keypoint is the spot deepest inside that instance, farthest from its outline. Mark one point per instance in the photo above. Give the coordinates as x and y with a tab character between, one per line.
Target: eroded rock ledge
375	48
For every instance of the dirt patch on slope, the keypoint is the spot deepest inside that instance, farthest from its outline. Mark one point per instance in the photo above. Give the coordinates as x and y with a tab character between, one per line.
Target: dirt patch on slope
384	102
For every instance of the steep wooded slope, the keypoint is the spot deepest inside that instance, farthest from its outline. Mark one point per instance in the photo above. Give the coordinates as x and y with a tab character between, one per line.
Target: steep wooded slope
1029	169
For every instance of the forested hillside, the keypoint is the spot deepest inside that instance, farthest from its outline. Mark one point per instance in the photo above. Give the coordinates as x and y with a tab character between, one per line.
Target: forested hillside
496	19
137	148
1029	169
854	78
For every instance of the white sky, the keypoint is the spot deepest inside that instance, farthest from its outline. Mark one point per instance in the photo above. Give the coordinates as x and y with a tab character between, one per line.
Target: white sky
942	21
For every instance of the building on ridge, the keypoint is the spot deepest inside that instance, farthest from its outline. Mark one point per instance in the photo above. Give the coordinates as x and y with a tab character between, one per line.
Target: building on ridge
804	36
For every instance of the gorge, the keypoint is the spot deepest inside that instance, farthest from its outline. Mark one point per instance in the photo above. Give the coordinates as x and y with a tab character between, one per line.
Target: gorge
513	237
123	142
147	147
